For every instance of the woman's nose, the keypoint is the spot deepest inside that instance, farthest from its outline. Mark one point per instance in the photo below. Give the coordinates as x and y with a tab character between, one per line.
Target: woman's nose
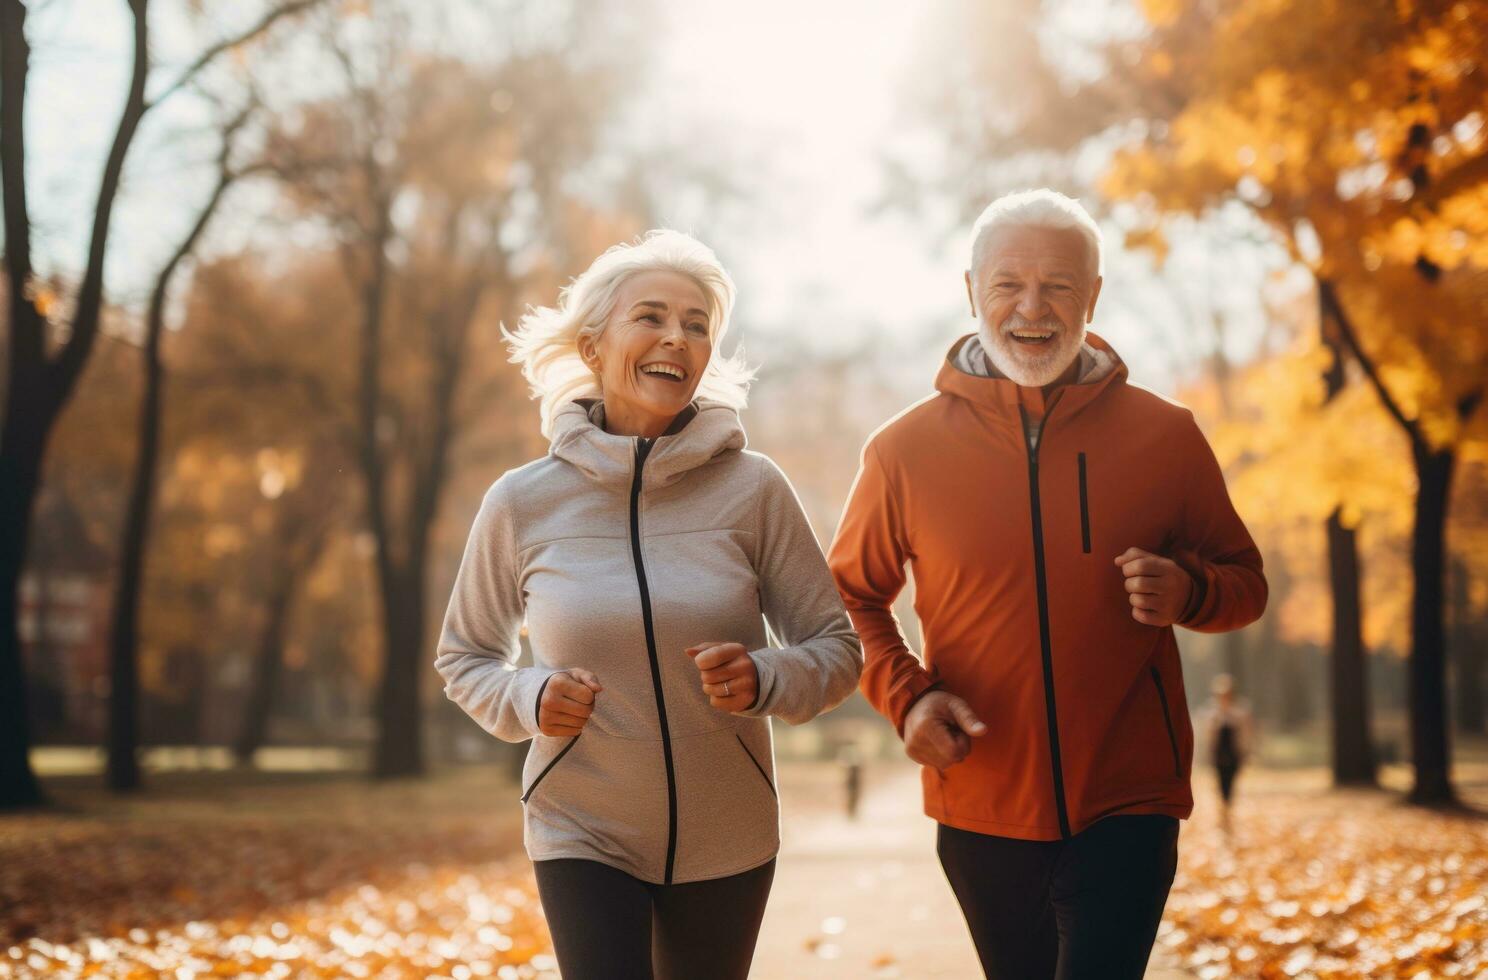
674	335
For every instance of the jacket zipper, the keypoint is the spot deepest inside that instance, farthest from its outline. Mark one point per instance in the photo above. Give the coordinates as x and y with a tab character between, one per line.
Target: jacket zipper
1084	510
1162	699
643	449
549	767
1045	649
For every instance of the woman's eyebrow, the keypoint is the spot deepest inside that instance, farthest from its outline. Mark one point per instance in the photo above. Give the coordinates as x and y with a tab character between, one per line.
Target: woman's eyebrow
659	305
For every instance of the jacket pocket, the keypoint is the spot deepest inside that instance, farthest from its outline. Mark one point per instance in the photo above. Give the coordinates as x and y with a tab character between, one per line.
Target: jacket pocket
758	768
549	767
1084	509
1162	699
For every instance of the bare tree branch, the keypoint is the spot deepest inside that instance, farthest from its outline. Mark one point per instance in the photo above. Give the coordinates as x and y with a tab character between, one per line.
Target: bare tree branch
211	54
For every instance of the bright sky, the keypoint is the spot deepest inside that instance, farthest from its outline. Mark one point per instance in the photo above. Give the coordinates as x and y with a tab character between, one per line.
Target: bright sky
801	97
811	89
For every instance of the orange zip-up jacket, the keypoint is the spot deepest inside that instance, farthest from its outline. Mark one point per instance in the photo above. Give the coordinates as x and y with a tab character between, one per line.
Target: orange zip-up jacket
1022	608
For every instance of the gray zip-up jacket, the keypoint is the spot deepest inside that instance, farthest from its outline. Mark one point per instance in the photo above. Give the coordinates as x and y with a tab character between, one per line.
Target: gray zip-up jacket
622	553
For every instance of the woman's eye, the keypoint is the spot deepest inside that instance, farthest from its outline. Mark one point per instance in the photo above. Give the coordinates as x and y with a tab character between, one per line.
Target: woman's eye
701	329
651	318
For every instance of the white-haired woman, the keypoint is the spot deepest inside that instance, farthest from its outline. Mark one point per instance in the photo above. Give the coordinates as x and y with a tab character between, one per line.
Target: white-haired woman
646	551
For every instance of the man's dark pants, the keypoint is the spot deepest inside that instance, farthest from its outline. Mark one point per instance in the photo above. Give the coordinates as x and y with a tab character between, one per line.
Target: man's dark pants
1088	906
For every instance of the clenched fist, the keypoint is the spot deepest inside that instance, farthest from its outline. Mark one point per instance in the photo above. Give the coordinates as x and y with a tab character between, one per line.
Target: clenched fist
1158	587
939	728
567	702
727	673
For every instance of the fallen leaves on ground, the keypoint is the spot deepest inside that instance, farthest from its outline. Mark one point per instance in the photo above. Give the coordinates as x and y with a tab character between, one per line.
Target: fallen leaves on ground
341	878
348	879
1329	884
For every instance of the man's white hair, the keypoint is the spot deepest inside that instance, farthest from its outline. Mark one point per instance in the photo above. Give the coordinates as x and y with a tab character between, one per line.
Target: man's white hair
546	341
1042	208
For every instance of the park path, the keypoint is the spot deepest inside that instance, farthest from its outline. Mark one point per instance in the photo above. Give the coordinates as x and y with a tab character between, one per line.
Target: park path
866	897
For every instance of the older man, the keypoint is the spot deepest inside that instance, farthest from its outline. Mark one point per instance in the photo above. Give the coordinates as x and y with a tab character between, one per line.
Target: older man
1059	522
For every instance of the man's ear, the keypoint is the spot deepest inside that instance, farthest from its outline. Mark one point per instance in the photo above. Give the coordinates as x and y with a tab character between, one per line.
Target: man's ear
1094	295
970	296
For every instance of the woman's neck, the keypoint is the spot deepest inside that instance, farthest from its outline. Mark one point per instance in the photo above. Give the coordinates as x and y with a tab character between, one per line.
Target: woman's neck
624	420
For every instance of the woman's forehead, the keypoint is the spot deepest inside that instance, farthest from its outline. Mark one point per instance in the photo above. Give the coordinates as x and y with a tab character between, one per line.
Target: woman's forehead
665	289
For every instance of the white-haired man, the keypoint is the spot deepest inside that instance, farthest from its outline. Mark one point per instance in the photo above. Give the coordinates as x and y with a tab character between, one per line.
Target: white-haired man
1059	522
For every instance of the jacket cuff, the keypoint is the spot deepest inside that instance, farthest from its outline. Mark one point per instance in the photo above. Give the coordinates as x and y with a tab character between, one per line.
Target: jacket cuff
1199	607
764	671
909	692
529	696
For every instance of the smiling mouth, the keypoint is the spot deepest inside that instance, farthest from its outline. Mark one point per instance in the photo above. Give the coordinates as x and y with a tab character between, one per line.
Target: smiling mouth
1031	338
666	372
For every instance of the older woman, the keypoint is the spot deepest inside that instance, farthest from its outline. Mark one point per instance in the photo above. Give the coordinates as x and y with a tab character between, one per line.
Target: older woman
646	551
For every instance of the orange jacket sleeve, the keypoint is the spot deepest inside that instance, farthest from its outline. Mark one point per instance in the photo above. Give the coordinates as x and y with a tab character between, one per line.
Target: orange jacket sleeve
1216	549
867	559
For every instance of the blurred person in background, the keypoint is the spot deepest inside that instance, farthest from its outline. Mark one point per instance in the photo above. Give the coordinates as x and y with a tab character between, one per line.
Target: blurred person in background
1230	735
646	552
1059	521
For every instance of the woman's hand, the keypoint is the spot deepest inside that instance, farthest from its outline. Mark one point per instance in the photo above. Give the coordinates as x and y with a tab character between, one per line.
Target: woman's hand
728	674
567	702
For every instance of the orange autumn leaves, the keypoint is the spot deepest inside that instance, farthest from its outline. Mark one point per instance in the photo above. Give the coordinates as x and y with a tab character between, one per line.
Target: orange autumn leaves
1329	885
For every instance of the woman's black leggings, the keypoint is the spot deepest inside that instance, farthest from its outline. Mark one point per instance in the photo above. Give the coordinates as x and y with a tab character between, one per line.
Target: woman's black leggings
608	925
1085	908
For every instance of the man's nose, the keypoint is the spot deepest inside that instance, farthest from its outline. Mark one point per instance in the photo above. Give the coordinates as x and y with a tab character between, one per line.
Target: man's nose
1031	304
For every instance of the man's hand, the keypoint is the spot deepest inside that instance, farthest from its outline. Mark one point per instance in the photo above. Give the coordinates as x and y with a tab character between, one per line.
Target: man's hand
939	728
727	673
1158	587
567	702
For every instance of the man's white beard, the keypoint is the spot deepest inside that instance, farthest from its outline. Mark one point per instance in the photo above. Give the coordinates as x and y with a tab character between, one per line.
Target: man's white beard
1031	367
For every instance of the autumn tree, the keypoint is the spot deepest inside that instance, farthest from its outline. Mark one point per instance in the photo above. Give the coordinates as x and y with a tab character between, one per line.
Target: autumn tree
48	349
241	397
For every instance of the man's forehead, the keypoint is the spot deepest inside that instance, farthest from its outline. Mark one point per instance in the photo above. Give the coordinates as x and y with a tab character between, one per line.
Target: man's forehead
1037	239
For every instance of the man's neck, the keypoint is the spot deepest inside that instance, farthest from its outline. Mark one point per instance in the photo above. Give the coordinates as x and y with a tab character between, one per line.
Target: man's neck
1070	375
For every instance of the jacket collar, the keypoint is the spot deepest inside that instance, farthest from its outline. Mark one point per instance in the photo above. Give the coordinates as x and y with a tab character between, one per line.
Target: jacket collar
1006	398
703	431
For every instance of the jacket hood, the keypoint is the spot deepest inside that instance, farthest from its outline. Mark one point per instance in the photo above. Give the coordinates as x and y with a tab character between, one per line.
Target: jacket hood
702	432
967	374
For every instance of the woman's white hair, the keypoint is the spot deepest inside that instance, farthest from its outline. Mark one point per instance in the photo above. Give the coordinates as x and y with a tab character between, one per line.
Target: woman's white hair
1042	208
546	341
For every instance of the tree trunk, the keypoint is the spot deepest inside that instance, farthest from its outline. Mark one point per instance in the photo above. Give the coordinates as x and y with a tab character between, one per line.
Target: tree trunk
18	472
399	747
38	385
266	669
123	743
1353	749
1430	750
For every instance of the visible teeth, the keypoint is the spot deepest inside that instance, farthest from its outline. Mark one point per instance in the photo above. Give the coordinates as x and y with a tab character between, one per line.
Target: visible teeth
1031	335
667	369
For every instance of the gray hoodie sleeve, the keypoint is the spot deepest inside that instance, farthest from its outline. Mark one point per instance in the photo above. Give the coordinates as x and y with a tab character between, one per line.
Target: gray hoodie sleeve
478	645
818	666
